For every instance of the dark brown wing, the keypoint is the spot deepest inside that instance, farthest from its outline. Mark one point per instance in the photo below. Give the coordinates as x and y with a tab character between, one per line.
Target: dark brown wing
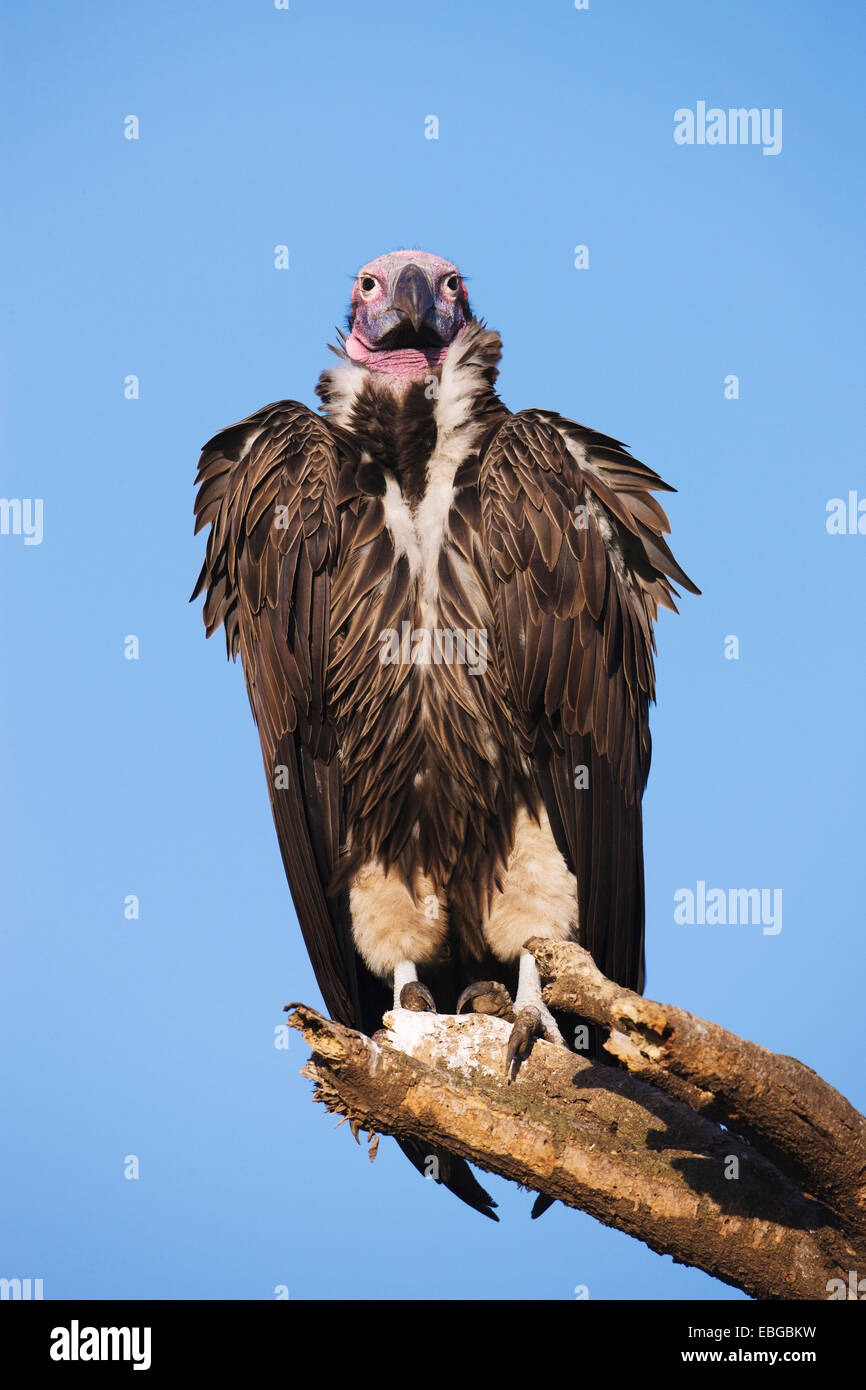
266	486
575	539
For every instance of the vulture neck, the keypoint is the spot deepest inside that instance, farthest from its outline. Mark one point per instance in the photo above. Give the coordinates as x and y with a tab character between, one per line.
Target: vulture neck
464	371
416	431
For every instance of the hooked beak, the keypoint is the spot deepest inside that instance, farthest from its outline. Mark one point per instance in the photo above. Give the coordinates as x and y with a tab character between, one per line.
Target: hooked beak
413	295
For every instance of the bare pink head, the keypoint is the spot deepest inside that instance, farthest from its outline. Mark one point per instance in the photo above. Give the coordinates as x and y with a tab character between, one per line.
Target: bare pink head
407	309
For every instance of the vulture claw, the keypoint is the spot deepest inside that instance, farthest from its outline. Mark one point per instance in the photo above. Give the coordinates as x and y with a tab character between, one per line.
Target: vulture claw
527	1025
531	1021
417	997
488	997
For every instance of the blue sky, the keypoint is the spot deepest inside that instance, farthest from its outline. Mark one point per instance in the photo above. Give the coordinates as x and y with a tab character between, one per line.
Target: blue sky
155	258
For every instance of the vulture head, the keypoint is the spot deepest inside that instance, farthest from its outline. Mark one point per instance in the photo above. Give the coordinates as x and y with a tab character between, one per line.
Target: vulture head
407	308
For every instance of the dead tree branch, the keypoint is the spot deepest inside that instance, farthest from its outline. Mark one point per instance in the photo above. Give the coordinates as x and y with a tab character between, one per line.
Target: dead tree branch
806	1127
772	1203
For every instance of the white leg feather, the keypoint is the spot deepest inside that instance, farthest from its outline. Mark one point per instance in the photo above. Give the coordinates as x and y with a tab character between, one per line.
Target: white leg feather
404	972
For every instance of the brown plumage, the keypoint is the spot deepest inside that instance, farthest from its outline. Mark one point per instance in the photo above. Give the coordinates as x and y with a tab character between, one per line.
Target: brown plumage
414	508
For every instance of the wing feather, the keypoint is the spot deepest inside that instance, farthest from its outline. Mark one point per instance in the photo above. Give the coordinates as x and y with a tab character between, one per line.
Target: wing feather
575	540
267	488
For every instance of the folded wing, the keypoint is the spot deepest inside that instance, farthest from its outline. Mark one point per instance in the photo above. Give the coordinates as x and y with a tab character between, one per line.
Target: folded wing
575	540
267	486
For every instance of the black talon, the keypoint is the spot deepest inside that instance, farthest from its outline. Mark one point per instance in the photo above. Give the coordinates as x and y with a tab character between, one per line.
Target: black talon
417	997
488	997
527	1025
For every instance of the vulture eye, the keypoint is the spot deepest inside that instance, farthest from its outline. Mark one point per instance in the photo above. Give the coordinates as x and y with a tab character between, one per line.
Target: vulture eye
367	284
452	284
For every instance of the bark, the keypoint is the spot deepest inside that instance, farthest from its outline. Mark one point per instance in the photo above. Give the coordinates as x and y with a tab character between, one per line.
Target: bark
809	1130
637	1145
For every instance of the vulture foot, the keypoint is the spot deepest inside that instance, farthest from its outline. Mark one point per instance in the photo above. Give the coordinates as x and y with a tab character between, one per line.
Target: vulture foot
488	997
530	1021
533	1018
417	997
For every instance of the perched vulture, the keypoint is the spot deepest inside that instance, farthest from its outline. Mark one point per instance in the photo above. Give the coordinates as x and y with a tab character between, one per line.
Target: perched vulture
445	616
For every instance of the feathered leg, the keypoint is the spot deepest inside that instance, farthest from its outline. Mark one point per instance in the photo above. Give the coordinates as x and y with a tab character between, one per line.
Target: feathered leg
409	993
396	930
532	1017
537	897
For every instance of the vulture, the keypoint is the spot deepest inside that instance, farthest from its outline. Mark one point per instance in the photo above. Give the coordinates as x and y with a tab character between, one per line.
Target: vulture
445	613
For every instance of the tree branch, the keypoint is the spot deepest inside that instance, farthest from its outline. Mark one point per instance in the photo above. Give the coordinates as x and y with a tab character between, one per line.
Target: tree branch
797	1119
590	1135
